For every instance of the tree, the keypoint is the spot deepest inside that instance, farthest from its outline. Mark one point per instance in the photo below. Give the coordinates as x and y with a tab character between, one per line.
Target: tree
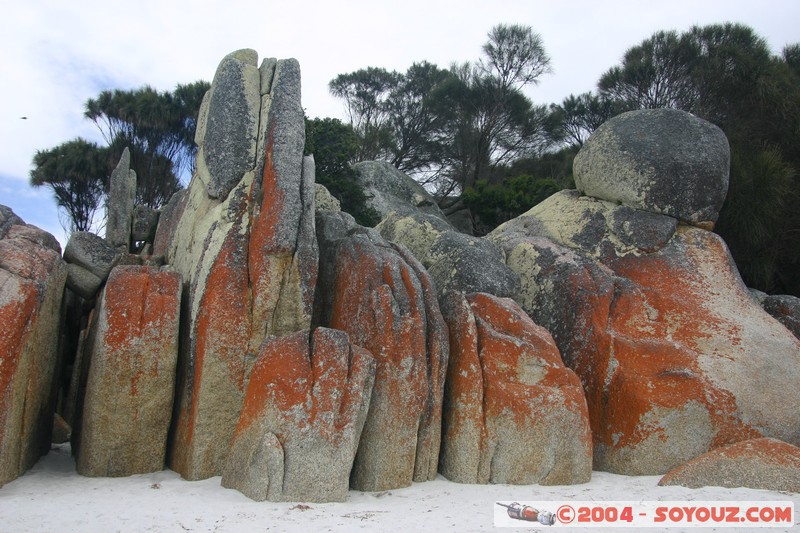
491	120
451	128
577	117
491	205
416	119
158	127
654	74
333	145
365	93
77	172
515	55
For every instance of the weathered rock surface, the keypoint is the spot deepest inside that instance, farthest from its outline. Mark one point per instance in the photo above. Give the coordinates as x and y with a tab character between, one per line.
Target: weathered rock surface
91	252
382	297
786	309
324	200
168	223
227	148
659	160
513	413
389	190
247	251
764	463
121	198
675	355
455	261
144	224
32	277
133	352
305	407
82	282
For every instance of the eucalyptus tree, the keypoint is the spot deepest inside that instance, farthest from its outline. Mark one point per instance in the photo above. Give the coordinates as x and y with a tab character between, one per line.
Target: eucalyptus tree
577	117
492	121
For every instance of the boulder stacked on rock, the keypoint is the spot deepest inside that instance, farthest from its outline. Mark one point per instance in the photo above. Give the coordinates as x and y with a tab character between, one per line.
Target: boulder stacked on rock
32	278
90	259
646	306
659	160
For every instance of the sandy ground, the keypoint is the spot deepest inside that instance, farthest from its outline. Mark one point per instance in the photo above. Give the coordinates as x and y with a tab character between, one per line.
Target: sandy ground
51	497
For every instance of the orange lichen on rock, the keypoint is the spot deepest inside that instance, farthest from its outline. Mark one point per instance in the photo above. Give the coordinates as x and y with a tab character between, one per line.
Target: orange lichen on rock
383	298
513	412
760	463
685	343
305	407
214	380
133	357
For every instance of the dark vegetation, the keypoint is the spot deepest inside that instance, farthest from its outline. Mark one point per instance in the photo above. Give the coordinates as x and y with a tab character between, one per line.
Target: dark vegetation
157	127
470	131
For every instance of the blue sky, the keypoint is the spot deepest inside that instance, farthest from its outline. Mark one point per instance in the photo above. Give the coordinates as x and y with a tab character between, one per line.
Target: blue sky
55	55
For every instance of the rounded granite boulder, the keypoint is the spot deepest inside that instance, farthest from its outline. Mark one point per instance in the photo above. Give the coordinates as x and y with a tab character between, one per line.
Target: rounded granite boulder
660	160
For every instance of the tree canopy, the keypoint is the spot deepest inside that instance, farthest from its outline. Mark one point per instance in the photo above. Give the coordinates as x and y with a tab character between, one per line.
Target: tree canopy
77	172
157	127
451	127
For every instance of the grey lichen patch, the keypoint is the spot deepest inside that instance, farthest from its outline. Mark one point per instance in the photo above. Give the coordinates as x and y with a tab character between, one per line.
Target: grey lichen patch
231	123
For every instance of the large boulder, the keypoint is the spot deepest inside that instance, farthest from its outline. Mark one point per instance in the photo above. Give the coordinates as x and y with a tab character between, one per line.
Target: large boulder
455	261
244	244
32	278
305	407
767	464
659	160
651	313
383	298
513	413
389	190
133	353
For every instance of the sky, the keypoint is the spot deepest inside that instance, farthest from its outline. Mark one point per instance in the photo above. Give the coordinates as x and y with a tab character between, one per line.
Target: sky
54	55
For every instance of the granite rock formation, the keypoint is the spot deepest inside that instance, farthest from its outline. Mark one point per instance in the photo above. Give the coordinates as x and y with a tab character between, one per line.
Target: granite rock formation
244	243
304	410
32	279
651	313
513	413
